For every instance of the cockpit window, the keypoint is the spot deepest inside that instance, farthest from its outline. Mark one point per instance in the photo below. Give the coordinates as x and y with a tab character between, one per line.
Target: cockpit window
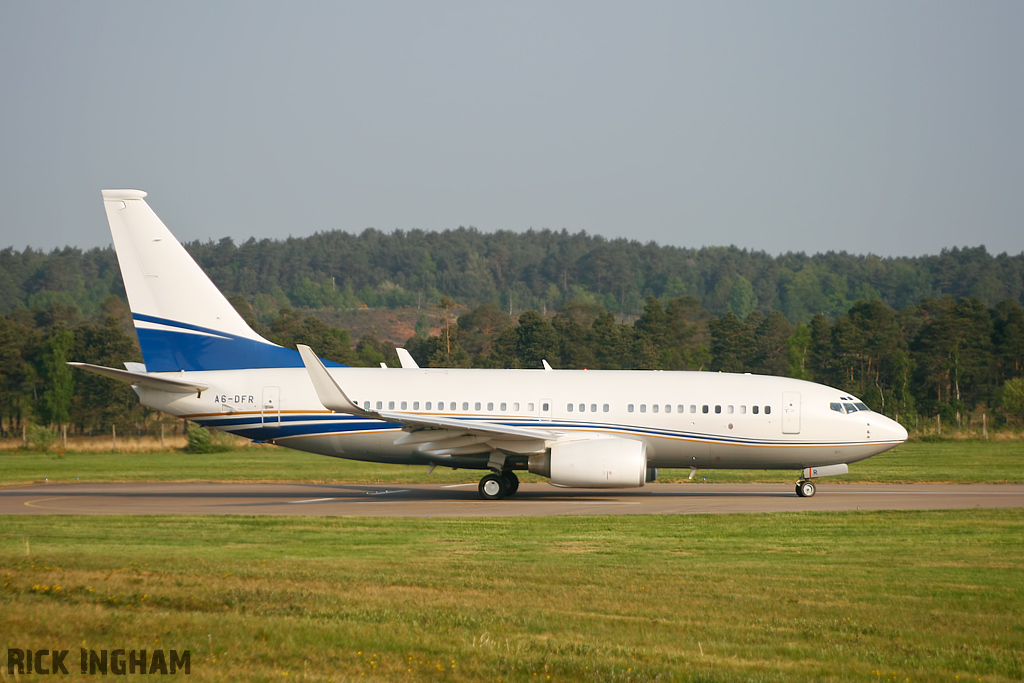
848	407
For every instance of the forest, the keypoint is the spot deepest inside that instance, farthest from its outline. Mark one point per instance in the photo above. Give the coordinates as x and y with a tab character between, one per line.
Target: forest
927	340
539	270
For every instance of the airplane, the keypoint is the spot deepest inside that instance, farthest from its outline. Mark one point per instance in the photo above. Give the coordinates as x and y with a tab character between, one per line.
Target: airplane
579	428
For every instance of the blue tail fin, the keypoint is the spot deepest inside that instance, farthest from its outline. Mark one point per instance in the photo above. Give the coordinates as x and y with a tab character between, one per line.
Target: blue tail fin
182	320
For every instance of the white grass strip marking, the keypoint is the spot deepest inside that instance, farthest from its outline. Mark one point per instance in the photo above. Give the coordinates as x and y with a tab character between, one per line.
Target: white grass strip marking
384	493
455	486
314	500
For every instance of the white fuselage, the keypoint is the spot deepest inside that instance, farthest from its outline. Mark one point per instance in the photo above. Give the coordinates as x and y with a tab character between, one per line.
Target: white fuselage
686	419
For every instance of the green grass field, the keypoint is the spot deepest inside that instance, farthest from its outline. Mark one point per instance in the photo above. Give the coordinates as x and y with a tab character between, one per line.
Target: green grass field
914	462
864	596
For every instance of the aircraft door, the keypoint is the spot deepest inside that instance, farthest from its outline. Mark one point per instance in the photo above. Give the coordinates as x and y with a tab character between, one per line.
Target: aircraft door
271	412
790	412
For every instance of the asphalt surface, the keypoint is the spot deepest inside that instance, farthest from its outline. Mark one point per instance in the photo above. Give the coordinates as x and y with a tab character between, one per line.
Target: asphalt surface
462	500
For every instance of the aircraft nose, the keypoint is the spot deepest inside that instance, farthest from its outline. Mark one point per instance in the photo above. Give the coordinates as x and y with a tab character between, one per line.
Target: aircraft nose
889	430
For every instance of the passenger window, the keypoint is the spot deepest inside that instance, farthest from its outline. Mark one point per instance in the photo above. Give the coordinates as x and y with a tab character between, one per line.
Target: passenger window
704	409
680	408
415	405
693	408
729	410
366	405
490	407
515	406
643	407
465	405
767	410
529	407
593	407
604	408
743	410
391	405
405	404
504	406
754	409
629	407
379	405
718	410
427	407
476	406
583	407
568	406
668	408
654	407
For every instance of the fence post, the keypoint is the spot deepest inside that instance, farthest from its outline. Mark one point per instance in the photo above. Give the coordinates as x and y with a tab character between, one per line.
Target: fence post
938	421
161	436
113	434
984	426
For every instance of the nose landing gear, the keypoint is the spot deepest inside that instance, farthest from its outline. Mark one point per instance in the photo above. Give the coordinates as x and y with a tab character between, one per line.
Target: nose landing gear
805	488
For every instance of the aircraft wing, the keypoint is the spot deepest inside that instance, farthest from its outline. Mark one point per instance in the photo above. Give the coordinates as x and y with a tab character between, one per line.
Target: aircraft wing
173	386
333	397
479	428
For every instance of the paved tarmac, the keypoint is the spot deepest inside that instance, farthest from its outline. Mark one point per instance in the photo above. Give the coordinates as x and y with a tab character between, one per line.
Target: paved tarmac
462	500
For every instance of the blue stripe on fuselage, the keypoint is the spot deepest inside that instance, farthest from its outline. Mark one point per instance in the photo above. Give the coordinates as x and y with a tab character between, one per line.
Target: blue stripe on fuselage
252	427
173	350
265	431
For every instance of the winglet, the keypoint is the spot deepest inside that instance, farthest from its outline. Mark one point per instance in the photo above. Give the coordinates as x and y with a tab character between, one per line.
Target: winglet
546	365
405	358
327	390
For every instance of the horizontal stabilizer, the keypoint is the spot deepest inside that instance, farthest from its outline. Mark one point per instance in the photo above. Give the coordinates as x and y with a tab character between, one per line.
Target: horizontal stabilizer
173	386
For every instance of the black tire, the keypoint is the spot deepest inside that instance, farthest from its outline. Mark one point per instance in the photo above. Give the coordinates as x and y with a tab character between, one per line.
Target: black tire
493	487
805	489
512	480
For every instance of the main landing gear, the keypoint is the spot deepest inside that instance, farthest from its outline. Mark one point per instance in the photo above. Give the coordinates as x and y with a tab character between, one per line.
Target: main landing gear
496	486
805	488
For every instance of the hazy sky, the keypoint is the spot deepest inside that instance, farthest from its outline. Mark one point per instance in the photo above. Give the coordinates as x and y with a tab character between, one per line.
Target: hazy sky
895	128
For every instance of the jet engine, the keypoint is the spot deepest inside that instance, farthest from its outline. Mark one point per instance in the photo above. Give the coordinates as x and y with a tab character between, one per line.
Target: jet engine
594	463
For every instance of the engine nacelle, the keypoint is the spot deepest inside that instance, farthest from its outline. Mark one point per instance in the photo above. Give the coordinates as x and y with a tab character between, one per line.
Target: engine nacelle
600	462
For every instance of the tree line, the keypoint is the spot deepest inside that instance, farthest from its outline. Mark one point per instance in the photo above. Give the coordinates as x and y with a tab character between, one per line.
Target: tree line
943	358
540	270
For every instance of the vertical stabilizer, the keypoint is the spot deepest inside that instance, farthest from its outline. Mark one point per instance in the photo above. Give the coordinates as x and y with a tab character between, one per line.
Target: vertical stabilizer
182	320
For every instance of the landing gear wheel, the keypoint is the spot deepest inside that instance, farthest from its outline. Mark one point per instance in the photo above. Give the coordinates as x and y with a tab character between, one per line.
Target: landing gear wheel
493	487
512	480
805	489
